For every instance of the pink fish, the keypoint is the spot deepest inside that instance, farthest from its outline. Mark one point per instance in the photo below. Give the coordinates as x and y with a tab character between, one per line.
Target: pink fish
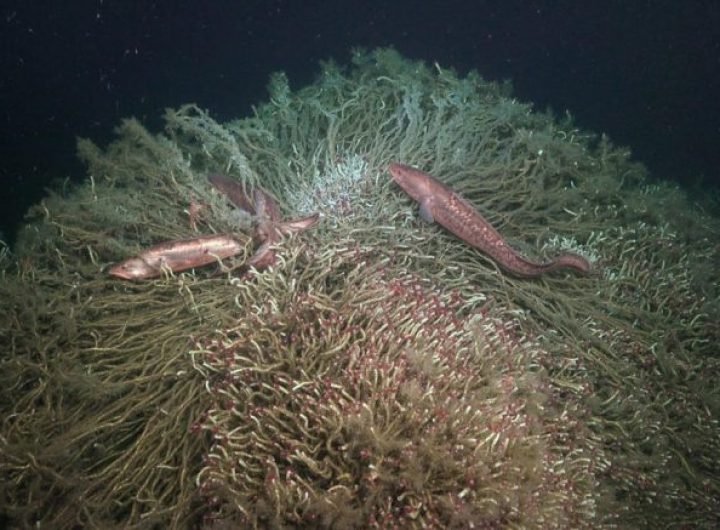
238	195
178	255
269	227
439	203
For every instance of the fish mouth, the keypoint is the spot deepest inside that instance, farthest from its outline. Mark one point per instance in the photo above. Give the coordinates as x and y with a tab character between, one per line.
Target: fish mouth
120	272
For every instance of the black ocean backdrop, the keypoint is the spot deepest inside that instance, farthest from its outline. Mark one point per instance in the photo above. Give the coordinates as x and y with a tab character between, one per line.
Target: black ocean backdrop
350	265
645	73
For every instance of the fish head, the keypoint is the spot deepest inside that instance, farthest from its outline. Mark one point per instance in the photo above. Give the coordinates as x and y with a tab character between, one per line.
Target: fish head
418	184
133	269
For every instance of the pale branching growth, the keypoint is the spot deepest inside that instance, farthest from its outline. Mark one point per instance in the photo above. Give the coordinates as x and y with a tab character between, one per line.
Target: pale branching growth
381	373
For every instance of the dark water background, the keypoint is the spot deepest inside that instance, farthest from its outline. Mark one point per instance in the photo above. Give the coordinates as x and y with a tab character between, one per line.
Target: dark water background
645	72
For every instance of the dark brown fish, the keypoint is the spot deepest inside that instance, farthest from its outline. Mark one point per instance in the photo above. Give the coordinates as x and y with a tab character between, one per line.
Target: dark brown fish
233	190
439	203
266	206
178	255
261	203
269	227
269	233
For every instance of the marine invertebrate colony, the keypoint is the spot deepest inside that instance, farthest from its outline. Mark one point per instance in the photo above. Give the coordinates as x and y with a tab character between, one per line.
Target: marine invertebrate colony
377	373
380	402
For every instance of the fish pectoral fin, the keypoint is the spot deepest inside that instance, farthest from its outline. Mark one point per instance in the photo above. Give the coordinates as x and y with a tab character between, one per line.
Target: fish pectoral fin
426	210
